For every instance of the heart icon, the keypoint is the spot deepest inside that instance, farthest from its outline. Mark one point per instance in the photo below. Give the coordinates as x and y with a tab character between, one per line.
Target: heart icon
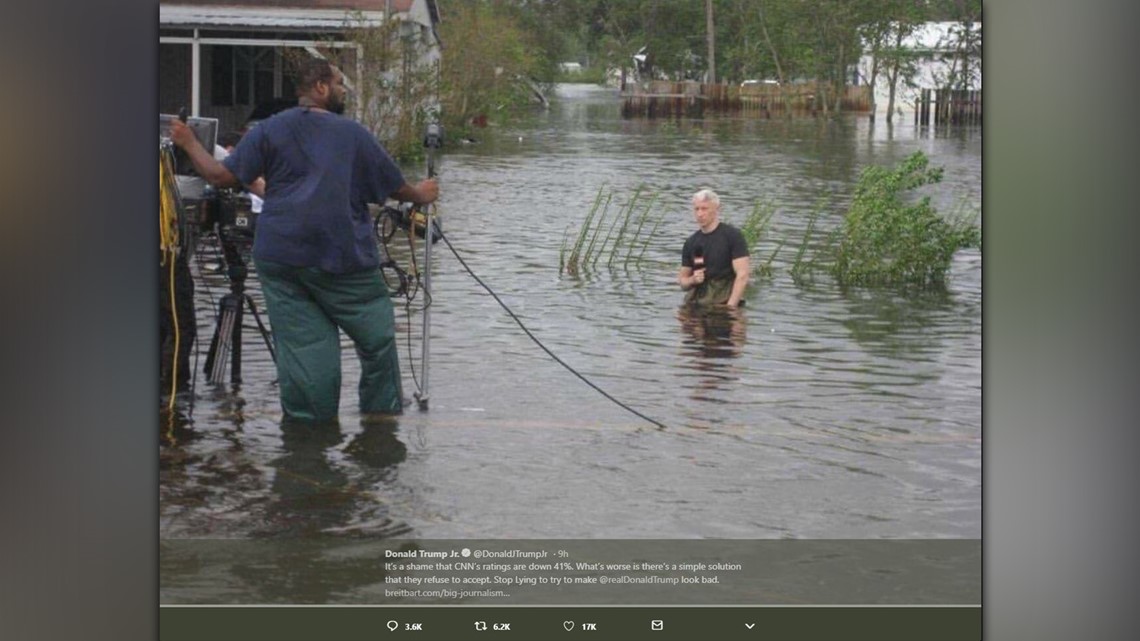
569	625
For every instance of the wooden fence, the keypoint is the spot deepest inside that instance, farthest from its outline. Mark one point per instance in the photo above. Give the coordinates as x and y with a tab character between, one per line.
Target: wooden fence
950	107
660	98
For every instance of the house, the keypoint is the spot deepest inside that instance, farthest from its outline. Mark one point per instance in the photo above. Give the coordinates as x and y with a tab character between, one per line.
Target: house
222	58
934	47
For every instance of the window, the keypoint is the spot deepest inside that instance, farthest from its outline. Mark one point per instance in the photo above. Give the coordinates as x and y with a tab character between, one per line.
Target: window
243	76
222	76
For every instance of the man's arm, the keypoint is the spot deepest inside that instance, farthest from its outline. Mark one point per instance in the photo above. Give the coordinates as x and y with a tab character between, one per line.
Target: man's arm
422	193
742	268
688	278
683	277
204	163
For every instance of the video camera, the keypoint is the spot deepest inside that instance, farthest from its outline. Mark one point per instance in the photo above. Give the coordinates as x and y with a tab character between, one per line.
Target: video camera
203	206
406	216
227	211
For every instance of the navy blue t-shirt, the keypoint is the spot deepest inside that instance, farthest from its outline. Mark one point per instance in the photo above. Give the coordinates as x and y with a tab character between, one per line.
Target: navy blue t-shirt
321	170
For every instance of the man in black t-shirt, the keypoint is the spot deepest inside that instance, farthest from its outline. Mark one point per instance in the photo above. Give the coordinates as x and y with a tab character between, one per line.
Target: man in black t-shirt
714	260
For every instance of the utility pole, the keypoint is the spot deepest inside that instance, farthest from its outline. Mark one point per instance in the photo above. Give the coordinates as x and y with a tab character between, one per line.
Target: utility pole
711	40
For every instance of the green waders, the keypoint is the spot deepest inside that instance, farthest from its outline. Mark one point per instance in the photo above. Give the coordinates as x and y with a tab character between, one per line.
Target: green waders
710	292
306	306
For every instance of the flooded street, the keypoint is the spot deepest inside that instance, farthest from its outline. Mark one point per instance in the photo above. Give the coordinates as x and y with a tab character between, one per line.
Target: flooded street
815	413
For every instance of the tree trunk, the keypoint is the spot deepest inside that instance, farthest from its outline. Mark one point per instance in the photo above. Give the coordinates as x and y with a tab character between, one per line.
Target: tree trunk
841	79
892	78
771	49
874	79
894	65
711	40
775	60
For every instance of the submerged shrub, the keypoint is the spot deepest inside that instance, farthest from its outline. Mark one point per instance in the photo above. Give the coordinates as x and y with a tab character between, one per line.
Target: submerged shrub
886	241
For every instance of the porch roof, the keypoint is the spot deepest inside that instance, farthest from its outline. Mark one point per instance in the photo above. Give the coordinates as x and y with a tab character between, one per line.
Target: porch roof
264	17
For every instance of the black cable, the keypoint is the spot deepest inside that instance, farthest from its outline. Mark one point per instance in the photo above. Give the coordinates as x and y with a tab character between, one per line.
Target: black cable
410	295
411	360
535	339
409	286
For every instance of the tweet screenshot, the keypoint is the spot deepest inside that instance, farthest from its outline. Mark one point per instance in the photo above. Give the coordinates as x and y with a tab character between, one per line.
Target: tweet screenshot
569	320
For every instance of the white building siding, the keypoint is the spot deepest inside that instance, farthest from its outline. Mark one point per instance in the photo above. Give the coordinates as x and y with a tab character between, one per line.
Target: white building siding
933	42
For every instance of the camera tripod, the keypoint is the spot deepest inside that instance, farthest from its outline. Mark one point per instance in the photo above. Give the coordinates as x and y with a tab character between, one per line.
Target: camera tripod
225	346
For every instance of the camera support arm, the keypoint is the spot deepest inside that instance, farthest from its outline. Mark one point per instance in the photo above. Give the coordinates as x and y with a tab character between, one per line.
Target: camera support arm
433	140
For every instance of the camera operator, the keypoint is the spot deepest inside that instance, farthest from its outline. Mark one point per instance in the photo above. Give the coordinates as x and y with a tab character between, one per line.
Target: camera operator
314	248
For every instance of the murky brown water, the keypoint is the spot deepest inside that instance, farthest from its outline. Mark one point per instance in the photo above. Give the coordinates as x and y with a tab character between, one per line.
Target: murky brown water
816	413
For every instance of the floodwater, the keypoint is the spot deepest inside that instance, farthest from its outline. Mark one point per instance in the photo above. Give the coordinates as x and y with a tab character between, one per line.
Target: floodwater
814	413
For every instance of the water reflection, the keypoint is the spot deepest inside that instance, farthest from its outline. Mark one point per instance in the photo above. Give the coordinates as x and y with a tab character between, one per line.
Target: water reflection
891	324
713	332
212	482
313	494
308	493
377	449
713	337
174	422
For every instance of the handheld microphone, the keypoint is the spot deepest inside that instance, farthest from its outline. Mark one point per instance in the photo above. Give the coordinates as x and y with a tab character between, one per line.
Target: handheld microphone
699	265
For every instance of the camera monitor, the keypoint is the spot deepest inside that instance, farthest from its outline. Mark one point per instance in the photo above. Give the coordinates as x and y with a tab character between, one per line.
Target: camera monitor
205	129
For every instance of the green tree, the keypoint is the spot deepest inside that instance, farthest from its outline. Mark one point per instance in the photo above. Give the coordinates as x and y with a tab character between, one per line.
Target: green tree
741	52
801	40
899	61
550	41
776	20
964	38
616	32
488	62
877	30
841	26
885	27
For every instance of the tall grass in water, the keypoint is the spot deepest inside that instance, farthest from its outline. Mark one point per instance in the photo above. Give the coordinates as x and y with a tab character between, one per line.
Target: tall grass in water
637	232
574	260
754	228
622	237
813	256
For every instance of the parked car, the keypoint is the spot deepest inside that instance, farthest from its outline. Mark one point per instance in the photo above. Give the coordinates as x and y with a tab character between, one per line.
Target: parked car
756	83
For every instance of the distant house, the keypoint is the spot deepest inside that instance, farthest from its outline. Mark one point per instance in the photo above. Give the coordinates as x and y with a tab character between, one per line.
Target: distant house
934	46
222	58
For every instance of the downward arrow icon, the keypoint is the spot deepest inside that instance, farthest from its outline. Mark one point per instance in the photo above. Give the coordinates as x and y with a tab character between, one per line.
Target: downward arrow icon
749	625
